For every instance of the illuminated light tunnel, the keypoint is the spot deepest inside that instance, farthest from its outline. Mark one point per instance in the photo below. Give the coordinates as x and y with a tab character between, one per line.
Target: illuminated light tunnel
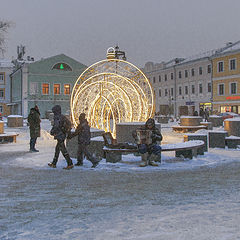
112	91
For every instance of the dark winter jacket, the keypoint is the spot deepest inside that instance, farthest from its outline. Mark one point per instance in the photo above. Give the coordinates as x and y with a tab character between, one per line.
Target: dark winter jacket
83	132
156	135
34	123
58	124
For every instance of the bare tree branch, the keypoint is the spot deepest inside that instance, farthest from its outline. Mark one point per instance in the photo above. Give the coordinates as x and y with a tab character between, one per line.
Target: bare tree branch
3	30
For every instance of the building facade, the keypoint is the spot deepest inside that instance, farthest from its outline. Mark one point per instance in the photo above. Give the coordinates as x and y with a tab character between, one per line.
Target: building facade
6	68
208	80
44	83
226	80
181	86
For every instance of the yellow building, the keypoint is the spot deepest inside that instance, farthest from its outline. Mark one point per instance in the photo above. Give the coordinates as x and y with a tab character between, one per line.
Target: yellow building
226	79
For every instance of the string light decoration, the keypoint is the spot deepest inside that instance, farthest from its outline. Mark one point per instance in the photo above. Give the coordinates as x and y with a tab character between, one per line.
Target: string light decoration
112	91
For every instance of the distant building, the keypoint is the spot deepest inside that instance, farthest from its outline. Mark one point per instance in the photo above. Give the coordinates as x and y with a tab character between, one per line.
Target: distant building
183	86
6	68
46	83
226	79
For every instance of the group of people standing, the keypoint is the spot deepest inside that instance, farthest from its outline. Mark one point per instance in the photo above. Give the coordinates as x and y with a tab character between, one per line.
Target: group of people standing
61	130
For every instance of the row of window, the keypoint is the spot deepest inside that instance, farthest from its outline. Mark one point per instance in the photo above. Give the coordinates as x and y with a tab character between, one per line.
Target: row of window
232	88
45	88
186	74
232	65
186	90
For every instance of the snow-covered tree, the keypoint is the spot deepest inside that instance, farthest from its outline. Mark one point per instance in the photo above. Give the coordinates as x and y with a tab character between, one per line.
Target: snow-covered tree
4	25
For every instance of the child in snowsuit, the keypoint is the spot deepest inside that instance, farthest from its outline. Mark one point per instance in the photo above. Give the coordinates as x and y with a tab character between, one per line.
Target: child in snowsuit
147	150
84	135
60	132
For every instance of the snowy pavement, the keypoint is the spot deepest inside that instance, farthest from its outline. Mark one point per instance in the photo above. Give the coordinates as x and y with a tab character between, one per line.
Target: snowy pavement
180	199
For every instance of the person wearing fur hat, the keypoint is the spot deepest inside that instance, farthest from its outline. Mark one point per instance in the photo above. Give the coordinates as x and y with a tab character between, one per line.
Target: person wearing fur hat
147	138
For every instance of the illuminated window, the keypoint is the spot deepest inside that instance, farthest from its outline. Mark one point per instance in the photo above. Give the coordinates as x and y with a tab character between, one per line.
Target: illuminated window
2	95
45	88
56	89
62	66
66	89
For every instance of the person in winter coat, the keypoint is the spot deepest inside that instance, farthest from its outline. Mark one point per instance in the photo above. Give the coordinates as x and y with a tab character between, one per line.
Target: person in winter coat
150	147
206	115
201	112
60	131
84	135
34	126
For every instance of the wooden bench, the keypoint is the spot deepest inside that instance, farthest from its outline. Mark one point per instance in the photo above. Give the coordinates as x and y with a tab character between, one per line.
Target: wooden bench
185	149
8	137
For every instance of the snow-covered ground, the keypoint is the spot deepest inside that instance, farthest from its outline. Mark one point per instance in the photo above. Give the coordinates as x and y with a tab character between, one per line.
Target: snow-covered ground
180	199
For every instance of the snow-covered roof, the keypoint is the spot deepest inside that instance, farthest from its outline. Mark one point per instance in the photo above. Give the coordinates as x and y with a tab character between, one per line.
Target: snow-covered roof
5	63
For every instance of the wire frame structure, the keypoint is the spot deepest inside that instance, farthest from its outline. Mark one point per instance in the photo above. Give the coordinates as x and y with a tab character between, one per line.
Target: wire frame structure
112	91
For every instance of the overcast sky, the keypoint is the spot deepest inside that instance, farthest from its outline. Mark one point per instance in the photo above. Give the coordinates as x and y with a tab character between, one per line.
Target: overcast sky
147	30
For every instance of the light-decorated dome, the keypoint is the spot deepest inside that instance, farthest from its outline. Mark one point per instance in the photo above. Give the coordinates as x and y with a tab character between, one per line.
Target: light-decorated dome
112	91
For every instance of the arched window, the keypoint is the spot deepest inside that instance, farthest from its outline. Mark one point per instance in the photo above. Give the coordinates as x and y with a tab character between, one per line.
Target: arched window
62	66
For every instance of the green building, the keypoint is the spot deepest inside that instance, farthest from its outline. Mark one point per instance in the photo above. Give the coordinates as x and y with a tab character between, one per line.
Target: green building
44	83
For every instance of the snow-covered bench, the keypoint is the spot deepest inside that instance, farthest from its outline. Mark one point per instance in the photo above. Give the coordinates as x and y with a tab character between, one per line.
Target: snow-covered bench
8	137
185	149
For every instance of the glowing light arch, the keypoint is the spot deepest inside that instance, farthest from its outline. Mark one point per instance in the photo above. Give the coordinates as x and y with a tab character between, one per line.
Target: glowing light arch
112	91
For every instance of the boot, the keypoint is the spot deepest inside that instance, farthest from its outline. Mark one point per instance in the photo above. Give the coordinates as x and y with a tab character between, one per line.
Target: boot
52	165
68	167
144	162
94	164
78	163
152	163
151	160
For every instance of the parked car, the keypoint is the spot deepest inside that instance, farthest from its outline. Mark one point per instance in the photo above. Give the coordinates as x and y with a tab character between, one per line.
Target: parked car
226	115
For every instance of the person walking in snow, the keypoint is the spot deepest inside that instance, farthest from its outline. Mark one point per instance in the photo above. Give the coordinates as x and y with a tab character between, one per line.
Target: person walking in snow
34	126
61	127
84	135
147	145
